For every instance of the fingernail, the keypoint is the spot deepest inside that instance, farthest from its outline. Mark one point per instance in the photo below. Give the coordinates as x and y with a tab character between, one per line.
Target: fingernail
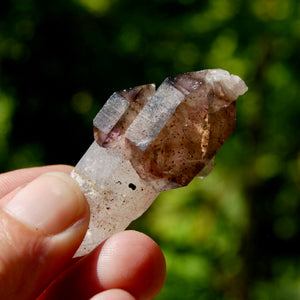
51	203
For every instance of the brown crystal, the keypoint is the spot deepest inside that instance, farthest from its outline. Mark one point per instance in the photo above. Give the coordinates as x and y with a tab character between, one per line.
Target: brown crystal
193	135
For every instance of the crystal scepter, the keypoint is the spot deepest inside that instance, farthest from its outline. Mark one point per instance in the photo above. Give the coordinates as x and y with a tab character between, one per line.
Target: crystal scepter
148	141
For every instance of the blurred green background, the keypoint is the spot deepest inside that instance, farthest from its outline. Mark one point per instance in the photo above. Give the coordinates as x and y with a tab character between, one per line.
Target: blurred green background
233	235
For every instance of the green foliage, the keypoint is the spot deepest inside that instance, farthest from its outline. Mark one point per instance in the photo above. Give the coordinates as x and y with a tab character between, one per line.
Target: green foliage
233	235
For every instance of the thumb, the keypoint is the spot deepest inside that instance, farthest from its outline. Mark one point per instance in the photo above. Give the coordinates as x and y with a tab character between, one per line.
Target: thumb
40	230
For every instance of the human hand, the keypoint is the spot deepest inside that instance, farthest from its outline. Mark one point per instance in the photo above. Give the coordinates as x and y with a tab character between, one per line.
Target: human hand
43	219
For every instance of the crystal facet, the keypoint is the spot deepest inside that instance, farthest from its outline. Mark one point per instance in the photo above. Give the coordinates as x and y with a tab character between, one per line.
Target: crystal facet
147	141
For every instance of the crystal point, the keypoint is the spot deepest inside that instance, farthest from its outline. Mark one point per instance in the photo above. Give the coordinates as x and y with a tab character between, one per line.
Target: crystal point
147	141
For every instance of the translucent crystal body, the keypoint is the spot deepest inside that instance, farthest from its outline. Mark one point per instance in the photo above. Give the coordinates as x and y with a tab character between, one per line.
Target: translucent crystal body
147	141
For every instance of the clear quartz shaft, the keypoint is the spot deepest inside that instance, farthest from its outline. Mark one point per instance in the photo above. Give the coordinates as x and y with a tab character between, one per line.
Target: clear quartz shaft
116	198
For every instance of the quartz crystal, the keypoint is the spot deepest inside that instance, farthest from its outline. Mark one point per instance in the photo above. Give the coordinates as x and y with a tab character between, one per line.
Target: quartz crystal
148	141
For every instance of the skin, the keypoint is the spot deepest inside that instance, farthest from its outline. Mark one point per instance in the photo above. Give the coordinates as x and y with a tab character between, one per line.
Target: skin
37	244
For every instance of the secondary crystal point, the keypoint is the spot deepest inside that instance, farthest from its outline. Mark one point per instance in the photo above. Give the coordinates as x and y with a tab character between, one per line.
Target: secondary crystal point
147	141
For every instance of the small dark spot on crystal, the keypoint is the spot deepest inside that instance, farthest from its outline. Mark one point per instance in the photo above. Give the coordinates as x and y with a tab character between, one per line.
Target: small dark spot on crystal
107	208
119	182
132	186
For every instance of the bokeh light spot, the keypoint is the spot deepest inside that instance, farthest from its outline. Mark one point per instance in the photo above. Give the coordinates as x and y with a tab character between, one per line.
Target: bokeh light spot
267	165
285	227
82	102
99	7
